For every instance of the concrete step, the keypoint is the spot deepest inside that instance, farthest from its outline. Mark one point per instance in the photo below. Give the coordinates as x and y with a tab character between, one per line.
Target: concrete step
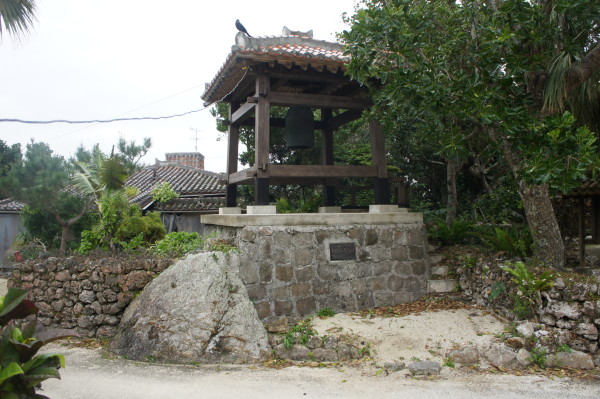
439	270
440	286
435	259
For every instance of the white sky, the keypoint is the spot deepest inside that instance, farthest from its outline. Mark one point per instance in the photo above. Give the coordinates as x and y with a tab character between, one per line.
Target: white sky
133	58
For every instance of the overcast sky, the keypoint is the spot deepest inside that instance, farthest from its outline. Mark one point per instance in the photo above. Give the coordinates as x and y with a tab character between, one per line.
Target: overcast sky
134	58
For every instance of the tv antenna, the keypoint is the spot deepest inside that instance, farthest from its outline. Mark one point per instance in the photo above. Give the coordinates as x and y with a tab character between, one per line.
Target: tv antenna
195	138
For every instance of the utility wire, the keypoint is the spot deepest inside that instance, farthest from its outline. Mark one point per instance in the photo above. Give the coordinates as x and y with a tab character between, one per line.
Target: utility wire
101	120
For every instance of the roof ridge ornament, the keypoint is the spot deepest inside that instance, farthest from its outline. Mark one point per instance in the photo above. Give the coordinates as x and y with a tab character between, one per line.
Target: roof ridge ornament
288	32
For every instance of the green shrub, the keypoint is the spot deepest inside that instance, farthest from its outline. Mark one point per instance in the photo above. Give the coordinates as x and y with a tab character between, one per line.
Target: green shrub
529	286
516	241
457	233
178	244
21	369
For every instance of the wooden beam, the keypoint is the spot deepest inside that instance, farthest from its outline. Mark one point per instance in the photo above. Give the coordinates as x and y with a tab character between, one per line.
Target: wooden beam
318	101
242	113
321	171
276	122
242	177
343	118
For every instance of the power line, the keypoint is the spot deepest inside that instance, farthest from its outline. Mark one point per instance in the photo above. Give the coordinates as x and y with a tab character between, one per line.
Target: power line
99	120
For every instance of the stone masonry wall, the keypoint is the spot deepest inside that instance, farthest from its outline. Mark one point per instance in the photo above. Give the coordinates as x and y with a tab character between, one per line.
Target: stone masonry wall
83	293
570	310
288	272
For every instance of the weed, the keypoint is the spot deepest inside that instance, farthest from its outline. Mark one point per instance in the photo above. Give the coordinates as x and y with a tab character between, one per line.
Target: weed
497	289
326	312
298	334
449	362
365	350
564	348
539	357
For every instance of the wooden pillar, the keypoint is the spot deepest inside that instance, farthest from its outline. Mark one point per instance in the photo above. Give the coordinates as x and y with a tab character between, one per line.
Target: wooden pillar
403	188
261	140
382	187
596	219
581	231
233	140
327	149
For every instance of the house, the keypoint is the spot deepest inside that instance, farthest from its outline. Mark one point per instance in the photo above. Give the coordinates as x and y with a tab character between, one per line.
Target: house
10	225
200	192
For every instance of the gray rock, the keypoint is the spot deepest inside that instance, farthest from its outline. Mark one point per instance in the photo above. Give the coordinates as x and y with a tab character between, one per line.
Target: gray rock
524	358
501	356
330	342
424	368
314	342
466	355
571	310
573	359
525	329
197	310
588	330
394	366
548	319
325	355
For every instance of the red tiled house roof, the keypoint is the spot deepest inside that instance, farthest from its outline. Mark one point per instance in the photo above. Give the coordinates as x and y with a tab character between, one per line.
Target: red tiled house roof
199	191
292	49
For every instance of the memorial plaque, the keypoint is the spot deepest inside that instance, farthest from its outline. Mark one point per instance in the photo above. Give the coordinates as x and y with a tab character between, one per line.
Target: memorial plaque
342	251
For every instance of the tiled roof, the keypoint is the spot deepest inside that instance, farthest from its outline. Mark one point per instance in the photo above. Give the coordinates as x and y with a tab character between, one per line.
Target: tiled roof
9	205
192	183
286	50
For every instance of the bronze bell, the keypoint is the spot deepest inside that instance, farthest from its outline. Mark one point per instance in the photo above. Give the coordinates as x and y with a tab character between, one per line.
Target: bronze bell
299	128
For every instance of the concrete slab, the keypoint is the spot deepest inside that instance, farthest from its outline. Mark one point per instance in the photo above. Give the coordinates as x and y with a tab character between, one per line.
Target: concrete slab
313	219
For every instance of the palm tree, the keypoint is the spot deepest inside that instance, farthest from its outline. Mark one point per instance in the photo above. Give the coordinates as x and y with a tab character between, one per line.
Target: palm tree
16	17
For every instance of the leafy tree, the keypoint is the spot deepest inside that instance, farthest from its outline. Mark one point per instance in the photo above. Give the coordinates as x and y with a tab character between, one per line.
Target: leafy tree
8	155
478	70
16	17
131	153
42	181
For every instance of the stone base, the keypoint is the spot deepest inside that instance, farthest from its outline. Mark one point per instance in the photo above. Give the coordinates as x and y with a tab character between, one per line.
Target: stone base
348	263
230	211
261	210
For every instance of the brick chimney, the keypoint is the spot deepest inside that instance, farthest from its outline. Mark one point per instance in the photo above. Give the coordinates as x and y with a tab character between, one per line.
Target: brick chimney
191	159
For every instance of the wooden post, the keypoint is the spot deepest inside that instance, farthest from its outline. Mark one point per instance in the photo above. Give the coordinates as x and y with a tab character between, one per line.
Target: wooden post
403	189
581	231
327	149
261	140
232	157
382	187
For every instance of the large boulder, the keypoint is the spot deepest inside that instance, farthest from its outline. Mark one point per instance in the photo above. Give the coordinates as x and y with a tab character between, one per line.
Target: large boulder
196	311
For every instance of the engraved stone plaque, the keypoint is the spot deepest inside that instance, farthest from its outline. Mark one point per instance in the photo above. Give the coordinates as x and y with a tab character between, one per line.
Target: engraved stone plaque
342	251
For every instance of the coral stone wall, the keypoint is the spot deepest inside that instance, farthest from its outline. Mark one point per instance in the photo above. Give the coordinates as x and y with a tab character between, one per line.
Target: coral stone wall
570	309
83	293
289	271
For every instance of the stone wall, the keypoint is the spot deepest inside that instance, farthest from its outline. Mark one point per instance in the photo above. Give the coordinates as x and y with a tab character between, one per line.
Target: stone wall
289	271
84	293
569	312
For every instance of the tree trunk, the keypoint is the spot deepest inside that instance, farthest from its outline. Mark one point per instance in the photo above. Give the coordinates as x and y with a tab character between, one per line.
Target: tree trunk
63	239
549	246
452	196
